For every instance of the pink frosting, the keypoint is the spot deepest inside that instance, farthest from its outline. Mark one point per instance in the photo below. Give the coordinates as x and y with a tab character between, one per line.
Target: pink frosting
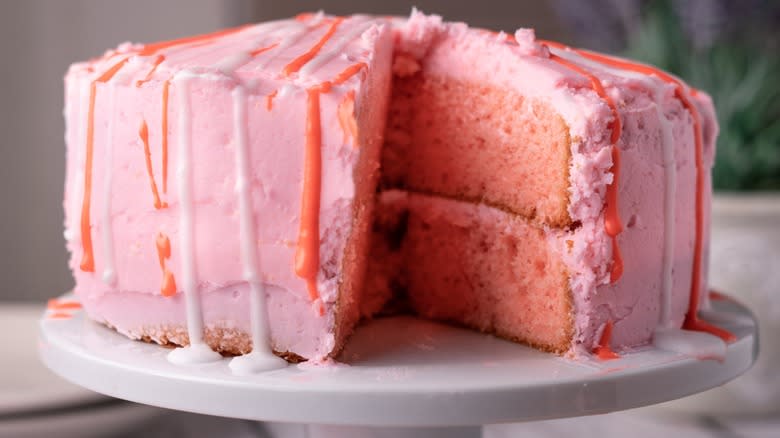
276	142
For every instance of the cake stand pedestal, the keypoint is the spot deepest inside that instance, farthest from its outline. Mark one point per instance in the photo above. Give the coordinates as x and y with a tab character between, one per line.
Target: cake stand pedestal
401	375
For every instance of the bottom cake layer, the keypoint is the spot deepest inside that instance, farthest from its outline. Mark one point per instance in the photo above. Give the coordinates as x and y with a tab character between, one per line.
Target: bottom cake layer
471	265
297	330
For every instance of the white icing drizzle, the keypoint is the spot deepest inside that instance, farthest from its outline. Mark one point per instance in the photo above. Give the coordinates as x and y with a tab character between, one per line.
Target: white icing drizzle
665	337
197	351
261	358
336	48
109	271
233	62
286	90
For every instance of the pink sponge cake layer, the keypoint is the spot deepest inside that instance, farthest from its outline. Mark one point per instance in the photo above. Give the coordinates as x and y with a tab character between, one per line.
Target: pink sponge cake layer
221	189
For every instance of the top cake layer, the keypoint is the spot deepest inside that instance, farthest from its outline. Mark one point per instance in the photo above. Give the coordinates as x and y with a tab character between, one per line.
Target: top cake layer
301	52
559	81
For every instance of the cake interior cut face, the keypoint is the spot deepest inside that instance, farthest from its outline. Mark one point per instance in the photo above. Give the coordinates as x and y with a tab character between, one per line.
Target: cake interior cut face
265	188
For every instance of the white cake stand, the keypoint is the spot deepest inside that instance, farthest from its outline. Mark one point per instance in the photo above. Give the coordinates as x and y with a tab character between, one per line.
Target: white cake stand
403	374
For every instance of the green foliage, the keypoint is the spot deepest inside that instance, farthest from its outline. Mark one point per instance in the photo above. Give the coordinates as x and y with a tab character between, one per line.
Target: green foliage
744	82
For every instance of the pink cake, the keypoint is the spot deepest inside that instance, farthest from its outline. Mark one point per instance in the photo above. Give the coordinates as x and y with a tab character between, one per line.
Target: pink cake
221	190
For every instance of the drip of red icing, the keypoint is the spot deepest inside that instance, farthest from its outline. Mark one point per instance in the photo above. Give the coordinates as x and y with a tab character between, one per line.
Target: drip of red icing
692	321
304	16
60	315
307	254
300	61
55	304
157	61
717	296
603	349
168	288
348	72
143	133
346	113
612	224
88	258
269	100
151	49
256	52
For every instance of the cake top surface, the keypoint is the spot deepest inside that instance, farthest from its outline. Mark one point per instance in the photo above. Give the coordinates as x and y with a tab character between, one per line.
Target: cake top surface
305	51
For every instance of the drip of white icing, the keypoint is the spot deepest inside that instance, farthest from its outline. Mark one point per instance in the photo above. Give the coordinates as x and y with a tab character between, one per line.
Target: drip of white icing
233	62
109	272
193	354
336	48
286	90
261	358
197	351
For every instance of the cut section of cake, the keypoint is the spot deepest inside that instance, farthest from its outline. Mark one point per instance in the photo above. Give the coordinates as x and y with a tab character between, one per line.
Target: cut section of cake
263	188
552	193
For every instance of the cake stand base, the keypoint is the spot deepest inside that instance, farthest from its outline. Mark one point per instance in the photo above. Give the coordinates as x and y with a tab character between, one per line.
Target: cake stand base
398	374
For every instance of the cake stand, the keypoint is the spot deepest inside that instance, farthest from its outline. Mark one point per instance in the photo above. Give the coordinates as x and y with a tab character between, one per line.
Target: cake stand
402	377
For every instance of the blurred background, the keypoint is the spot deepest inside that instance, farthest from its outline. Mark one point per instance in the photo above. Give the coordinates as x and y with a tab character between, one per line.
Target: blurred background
728	48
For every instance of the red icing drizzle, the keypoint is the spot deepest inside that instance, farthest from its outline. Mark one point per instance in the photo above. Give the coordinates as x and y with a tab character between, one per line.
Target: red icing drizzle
157	61
60	315
307	254
603	349
256	52
304	16
168	287
55	304
143	133
269	100
612	223
348	72
151	49
300	61
346	113
717	296
88	258
692	321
